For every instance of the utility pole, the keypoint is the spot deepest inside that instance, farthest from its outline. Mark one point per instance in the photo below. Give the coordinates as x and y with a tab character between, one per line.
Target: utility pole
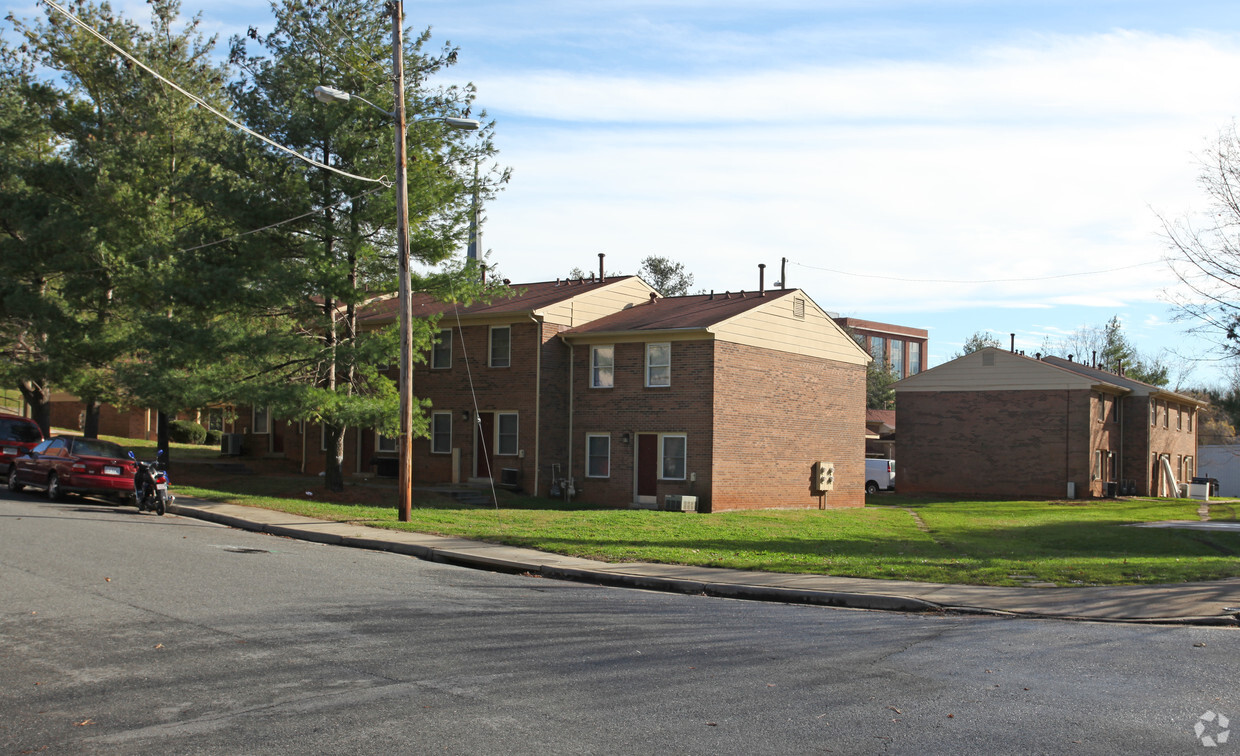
405	444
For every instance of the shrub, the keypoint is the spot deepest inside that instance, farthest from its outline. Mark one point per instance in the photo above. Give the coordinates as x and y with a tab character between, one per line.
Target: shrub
214	437
186	432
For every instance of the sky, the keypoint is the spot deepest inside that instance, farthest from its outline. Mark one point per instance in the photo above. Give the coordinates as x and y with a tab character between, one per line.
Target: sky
948	165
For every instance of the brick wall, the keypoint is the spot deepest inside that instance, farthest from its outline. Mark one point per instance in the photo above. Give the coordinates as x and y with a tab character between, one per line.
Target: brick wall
510	389
775	415
630	407
1000	443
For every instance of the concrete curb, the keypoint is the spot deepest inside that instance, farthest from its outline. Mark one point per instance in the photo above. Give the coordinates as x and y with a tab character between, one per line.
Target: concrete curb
693	581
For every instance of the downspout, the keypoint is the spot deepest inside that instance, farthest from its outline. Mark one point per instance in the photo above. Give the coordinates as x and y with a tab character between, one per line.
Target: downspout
537	403
1067	441
571	364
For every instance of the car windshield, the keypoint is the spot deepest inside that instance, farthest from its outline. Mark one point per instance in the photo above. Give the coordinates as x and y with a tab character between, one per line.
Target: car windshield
20	431
93	447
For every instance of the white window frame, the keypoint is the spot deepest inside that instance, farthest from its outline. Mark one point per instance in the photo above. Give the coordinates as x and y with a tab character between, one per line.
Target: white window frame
266	417
595	367
442	346
663	439
491	356
385	444
591	437
515	435
650	364
436	418
322	436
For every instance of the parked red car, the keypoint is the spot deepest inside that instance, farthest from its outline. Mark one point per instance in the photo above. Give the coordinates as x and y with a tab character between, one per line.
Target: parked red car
18	435
72	464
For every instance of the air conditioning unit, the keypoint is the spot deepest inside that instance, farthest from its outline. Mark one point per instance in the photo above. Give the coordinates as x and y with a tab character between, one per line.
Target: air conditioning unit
230	444
510	476
679	503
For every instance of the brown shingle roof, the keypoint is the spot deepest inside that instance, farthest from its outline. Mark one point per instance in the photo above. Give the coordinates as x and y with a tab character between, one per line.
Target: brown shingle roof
526	297
696	311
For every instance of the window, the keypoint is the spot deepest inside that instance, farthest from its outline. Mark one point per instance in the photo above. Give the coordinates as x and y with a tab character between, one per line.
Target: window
1189	470
798	308
441	353
1179	466
897	358
322	436
441	433
1114	466
602	366
215	419
1153	412
1191	412
1098	464
914	357
1166	414
1102	408
384	444
501	346
672	456
878	349
1179	417
598	455
506	433
658	364
260	421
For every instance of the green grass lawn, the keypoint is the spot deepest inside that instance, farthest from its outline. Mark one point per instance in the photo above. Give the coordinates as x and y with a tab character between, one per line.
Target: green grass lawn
974	542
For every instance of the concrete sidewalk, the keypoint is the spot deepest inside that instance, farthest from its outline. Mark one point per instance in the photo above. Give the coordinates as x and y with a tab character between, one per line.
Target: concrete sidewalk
1214	603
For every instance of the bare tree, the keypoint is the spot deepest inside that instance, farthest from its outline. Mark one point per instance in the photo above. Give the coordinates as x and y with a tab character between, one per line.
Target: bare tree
1204	252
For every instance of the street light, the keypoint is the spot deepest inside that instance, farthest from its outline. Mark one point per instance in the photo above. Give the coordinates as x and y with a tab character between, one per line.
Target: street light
330	95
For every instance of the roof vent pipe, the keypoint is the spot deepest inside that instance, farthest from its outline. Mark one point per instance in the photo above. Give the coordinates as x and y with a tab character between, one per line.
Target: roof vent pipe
762	279
653	296
1013	343
601	274
1070	357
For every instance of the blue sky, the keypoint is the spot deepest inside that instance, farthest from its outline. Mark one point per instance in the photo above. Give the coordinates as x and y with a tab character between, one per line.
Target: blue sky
934	164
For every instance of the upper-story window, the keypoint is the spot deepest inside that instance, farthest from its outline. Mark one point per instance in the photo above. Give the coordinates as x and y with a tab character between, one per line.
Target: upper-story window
897	358
1153	412
602	366
1179	417
441	354
878	349
1191	411
658	364
501	346
914	357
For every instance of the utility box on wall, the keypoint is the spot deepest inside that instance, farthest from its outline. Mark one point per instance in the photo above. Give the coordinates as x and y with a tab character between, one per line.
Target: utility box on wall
824	477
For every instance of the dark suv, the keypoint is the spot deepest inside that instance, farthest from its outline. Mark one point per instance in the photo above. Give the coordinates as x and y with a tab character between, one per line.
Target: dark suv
18	435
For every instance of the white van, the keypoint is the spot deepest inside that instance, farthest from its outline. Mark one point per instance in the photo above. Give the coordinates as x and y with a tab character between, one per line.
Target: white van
880	475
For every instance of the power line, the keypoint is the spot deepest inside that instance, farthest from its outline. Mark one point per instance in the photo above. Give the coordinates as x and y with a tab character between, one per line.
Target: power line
977	280
204	104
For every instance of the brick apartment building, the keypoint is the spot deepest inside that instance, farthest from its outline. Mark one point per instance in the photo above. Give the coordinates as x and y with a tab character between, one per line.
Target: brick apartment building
901	347
998	423
730	398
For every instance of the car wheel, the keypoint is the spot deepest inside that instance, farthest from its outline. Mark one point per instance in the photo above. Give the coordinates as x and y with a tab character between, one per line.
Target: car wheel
53	487
14	486
871	487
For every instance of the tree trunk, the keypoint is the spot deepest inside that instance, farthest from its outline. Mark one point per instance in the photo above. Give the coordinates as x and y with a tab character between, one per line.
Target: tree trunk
90	423
40	408
161	436
333	479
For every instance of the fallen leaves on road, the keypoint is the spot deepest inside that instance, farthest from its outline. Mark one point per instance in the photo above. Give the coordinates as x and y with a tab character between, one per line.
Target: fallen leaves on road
84	722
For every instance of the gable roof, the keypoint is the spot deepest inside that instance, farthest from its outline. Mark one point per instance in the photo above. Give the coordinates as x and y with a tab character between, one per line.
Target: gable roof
693	312
996	369
525	299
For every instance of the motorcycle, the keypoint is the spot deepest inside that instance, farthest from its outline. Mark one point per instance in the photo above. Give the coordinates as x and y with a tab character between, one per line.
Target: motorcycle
150	486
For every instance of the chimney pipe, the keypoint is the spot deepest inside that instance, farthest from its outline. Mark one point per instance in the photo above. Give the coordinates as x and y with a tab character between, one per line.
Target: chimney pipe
783	273
601	274
762	279
1013	343
1095	362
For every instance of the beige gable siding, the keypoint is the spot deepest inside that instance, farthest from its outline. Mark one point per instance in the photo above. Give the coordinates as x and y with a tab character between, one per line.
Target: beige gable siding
776	326
1006	372
597	303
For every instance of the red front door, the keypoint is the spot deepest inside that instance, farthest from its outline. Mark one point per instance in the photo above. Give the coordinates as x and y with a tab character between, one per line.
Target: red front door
647	464
482	445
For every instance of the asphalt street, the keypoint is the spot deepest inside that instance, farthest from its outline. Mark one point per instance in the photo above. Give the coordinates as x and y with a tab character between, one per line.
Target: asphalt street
127	633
